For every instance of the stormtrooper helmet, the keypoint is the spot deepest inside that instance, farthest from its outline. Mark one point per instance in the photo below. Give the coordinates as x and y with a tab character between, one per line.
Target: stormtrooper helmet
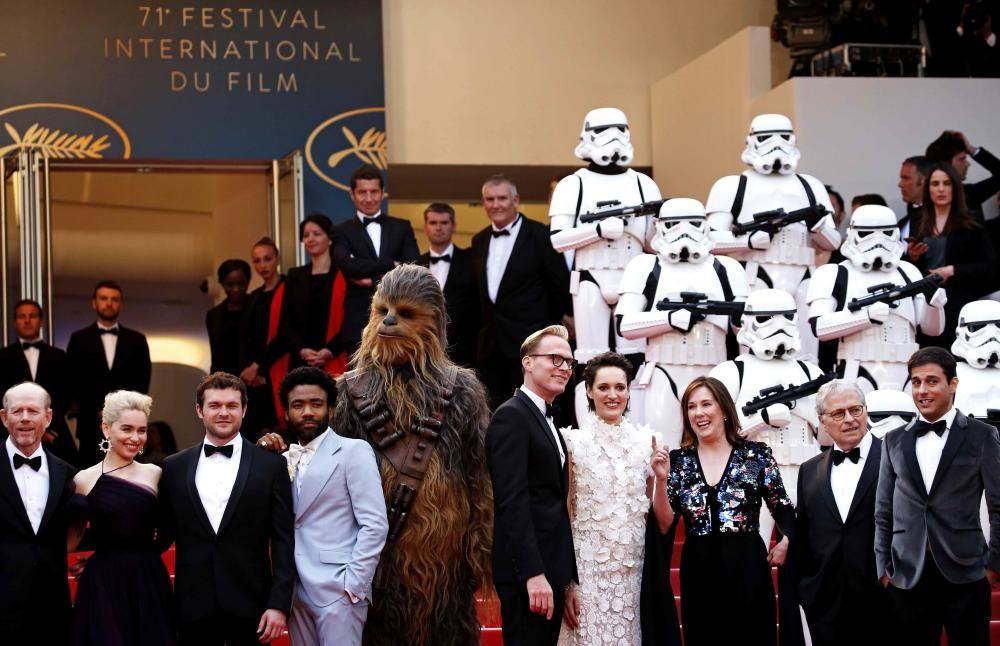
873	242
682	231
605	138
977	337
888	410
771	145
769	326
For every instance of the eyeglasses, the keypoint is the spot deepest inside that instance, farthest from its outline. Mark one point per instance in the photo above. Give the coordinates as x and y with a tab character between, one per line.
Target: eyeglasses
557	360
839	415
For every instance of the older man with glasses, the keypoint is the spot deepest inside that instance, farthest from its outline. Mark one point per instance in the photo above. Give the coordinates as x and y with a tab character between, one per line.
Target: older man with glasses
836	525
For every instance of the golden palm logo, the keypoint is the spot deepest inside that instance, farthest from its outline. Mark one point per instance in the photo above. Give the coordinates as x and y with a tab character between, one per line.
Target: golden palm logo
328	150
55	143
61	141
370	149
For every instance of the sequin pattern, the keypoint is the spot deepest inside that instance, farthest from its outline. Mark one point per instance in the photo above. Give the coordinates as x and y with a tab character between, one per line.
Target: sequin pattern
751	476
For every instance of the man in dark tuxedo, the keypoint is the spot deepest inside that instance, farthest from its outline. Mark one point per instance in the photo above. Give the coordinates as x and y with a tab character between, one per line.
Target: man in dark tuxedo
523	286
228	505
929	545
103	357
452	266
835	519
533	558
912	173
35	488
367	246
29	358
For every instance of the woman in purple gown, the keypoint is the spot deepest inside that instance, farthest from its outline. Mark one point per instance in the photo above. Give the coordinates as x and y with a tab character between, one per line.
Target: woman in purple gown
124	596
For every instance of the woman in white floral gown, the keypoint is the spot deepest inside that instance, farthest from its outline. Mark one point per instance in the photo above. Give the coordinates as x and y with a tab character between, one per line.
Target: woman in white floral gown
617	470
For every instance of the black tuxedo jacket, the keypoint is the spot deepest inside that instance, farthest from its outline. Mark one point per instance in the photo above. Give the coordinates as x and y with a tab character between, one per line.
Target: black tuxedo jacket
92	379
248	566
33	578
533	293
834	558
531	527
53	375
354	254
462	300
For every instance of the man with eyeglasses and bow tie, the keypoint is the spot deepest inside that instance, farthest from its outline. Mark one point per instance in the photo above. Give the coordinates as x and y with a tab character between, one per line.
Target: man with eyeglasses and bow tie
30	358
835	521
228	505
104	356
35	489
452	267
366	247
929	547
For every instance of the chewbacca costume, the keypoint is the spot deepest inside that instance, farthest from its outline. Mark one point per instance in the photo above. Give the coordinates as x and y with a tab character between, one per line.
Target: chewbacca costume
424	591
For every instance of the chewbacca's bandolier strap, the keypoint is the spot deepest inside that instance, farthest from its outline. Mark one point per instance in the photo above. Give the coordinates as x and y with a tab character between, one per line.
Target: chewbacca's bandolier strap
409	452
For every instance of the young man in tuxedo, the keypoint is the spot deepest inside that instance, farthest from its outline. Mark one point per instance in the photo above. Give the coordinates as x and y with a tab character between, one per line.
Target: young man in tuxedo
929	546
340	516
30	358
533	557
104	356
835	519
228	505
523	286
367	246
452	266
35	488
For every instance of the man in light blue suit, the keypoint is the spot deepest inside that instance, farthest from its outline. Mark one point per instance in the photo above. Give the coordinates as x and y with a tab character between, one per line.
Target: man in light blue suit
340	516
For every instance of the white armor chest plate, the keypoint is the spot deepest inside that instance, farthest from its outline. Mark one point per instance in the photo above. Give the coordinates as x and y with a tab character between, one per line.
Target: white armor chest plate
705	344
791	245
795	443
624	187
895	340
978	390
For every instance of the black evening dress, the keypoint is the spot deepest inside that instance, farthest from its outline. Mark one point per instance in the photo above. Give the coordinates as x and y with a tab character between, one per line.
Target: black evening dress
727	596
124	596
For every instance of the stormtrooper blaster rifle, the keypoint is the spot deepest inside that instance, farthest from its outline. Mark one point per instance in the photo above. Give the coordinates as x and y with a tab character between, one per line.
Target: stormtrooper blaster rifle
602	213
698	304
773	221
890	292
786	395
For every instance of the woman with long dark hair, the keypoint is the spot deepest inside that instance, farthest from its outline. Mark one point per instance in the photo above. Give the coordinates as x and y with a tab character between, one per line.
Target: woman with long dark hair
947	241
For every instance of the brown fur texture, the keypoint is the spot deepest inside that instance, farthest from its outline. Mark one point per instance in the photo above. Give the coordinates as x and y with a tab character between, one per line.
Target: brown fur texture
426	582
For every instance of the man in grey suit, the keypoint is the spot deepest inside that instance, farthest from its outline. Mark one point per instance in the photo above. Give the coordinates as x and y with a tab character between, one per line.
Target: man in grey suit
929	546
340	516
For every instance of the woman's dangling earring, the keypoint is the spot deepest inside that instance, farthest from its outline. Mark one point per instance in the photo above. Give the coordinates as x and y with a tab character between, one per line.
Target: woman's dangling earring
104	445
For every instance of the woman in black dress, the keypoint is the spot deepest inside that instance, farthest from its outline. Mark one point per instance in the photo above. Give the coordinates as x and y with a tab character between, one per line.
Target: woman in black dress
948	241
124	596
223	322
717	483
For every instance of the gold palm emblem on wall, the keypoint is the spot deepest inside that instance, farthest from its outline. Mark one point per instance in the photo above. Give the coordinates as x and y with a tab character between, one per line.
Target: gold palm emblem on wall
55	143
371	148
64	142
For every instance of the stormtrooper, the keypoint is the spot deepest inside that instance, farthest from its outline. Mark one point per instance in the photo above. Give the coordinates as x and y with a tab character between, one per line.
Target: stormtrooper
977	350
769	331
889	410
602	249
781	256
876	340
680	302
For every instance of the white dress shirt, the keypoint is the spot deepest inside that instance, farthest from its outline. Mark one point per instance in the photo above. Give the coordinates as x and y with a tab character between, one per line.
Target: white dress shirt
214	477
440	269
844	477
305	457
498	256
31	354
540	403
32	485
929	447
110	342
374	231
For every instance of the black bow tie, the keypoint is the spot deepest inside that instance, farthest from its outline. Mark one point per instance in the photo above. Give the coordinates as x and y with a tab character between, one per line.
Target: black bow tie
113	330
445	258
501	232
853	455
378	219
211	449
35	463
922	428
551	410
31	344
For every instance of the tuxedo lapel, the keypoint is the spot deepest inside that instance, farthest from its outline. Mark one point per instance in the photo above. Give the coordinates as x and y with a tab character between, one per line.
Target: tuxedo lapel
192	486
97	348
542	424
362	230
869	475
823	471
57	482
956	437
246	466
318	473
23	369
909	446
519	249
10	492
